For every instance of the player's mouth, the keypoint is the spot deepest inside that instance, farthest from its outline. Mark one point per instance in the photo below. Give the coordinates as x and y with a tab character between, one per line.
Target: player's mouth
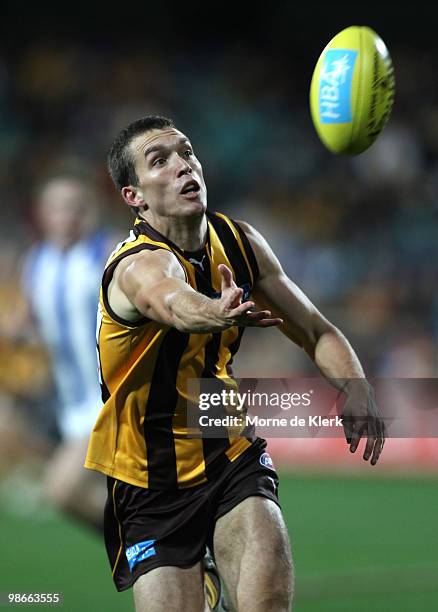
190	190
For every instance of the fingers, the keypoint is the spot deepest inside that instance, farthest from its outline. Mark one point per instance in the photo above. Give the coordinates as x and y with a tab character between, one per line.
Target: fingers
261	318
369	422
373	449
375	441
356	428
379	442
227	277
371	432
348	425
231	293
240	313
377	450
371	440
235	297
231	298
355	439
269	322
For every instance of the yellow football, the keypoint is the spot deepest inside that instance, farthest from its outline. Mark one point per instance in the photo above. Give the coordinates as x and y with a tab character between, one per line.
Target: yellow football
352	90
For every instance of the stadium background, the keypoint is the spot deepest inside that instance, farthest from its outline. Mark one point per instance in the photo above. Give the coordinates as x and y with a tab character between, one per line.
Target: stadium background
358	235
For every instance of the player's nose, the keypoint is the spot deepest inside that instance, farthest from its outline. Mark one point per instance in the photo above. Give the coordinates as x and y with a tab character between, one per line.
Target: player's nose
183	167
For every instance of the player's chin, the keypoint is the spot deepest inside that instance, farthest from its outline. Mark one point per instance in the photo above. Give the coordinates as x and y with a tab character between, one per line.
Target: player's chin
193	206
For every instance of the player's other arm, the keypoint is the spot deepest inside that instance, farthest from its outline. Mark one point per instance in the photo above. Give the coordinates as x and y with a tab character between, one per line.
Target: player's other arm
324	343
152	284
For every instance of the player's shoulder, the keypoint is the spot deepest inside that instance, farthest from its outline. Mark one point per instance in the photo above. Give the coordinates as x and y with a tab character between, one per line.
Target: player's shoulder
159	257
262	249
254	236
148	261
245	226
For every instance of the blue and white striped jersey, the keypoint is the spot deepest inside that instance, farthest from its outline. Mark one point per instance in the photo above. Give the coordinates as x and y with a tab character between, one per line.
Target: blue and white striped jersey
63	291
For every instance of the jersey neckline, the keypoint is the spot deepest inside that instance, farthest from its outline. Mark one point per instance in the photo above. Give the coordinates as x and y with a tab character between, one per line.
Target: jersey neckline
154	234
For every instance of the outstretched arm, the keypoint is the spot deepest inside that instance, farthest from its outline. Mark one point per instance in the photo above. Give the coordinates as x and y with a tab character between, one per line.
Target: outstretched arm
323	342
152	284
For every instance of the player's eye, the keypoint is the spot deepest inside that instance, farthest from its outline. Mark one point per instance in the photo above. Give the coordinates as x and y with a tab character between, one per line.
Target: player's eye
159	161
188	153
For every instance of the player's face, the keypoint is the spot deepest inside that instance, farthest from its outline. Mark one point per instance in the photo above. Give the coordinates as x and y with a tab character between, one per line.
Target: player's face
170	178
63	211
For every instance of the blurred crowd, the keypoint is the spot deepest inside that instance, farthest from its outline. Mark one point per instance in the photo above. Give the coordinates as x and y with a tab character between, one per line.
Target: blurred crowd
358	235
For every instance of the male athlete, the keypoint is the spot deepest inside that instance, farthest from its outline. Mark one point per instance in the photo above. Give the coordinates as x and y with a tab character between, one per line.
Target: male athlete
62	302
175	300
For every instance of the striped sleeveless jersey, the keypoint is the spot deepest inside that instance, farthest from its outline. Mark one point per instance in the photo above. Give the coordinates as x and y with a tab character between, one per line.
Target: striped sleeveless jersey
140	436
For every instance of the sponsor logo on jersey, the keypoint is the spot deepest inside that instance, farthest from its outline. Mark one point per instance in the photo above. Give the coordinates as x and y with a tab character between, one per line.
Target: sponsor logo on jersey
197	262
266	461
139	552
335	86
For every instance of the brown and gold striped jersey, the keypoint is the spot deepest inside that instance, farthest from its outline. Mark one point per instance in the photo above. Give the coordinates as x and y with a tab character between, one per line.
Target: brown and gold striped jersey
140	436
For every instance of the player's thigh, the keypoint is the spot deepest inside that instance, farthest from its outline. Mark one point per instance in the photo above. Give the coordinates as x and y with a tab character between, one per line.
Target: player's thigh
66	475
251	542
69	454
169	588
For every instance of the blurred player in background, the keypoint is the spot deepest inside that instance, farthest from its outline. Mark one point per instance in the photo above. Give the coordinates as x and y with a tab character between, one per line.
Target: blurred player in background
61	280
175	301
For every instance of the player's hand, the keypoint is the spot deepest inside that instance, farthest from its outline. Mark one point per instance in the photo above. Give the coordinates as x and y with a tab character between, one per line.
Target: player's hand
361	417
237	313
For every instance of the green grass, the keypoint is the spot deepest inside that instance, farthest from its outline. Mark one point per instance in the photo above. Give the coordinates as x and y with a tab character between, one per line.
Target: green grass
363	544
54	555
358	544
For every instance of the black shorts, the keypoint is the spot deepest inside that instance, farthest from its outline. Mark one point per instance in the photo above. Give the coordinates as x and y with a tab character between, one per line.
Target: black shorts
145	529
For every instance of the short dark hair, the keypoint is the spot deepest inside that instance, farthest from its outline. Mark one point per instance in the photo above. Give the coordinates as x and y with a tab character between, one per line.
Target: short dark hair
70	170
120	162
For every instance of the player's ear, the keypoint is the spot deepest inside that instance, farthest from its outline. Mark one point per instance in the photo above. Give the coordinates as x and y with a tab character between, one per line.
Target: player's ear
133	197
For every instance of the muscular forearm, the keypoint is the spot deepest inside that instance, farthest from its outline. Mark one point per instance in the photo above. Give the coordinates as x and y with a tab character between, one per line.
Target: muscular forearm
194	313
326	346
360	414
336	359
171	301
